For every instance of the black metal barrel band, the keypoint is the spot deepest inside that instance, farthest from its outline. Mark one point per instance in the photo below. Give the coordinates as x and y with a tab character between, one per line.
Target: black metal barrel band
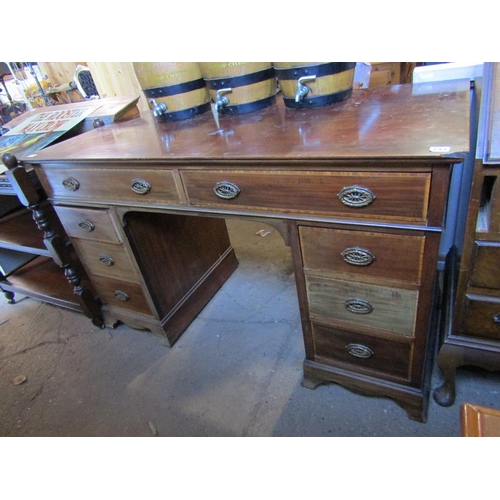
248	107
317	70
179	88
240	81
185	114
318	101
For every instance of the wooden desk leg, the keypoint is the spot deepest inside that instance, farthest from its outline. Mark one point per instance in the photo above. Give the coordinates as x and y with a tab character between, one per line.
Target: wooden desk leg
55	243
447	363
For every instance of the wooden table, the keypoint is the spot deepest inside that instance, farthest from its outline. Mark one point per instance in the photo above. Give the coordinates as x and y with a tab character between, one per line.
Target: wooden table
357	190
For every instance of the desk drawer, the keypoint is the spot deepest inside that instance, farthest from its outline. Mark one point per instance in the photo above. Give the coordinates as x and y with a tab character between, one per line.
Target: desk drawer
398	196
104	259
486	265
362	253
121	294
110	184
360	305
87	223
362	351
482	317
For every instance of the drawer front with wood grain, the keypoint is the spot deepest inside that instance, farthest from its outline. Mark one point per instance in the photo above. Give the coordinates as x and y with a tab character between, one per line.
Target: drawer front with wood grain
88	223
362	253
108	260
121	294
482	317
485	269
127	185
374	195
361	305
362	351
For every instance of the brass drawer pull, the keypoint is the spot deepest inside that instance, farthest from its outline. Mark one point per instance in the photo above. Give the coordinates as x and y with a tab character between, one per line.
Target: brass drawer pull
71	184
359	351
358	306
121	296
106	260
86	225
356	196
226	190
140	186
358	256
496	319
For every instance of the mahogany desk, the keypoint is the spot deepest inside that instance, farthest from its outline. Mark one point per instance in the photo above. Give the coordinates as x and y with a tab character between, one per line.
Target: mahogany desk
356	189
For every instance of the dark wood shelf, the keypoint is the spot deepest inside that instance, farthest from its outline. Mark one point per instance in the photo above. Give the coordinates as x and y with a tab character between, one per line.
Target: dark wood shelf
18	231
42	279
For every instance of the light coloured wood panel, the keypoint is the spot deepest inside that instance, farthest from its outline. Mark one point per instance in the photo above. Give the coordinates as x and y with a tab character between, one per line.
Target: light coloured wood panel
59	72
117	79
394	310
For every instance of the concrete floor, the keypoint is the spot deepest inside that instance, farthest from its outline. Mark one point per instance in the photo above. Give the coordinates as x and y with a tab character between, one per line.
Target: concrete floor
236	370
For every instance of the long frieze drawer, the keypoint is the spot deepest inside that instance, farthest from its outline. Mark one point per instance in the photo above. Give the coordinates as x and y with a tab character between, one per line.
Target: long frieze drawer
485	272
359	304
398	196
88	223
121	294
110	184
482	317
362	351
104	259
377	255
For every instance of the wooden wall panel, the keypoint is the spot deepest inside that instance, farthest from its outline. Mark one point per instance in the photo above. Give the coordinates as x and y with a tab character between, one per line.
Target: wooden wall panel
59	72
117	79
111	78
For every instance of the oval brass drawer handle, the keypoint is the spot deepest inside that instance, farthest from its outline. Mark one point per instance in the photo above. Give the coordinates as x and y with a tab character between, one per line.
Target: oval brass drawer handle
71	184
356	196
140	186
358	306
359	351
121	296
357	256
226	190
106	260
86	225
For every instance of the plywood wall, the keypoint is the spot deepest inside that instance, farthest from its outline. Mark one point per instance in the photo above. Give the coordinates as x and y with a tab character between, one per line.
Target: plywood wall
111	78
116	79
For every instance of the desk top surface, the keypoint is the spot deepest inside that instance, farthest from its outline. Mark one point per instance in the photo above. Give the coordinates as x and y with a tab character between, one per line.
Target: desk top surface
400	121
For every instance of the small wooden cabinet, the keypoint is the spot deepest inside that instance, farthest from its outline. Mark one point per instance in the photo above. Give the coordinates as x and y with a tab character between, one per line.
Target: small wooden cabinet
472	329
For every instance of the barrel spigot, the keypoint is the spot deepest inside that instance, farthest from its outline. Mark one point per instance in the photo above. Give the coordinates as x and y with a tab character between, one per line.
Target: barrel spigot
302	89
222	100
159	109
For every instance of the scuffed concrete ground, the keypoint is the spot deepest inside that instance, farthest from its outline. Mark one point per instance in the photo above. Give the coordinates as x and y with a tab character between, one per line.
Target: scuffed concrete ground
236	371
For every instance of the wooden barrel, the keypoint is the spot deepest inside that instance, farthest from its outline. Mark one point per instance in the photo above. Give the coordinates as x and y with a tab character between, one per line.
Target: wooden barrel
175	91
238	87
312	85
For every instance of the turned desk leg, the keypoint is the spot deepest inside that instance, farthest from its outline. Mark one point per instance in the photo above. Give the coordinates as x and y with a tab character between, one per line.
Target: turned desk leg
54	242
